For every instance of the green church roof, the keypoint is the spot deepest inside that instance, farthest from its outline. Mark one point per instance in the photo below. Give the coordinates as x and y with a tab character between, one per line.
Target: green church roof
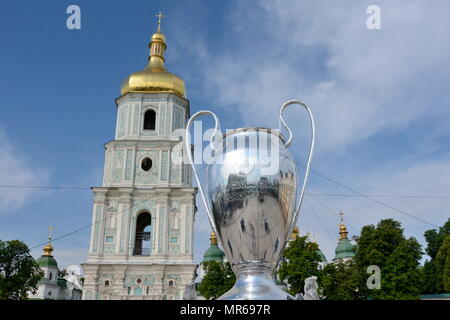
47	261
344	249
321	255
62	283
214	253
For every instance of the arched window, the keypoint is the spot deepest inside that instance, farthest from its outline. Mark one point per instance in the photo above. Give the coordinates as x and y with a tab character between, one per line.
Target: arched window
142	243
149	120
106	283
50	276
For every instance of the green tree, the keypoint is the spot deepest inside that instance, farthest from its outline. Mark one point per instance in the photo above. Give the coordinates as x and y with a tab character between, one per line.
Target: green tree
398	258
431	277
376	243
19	272
301	262
62	273
218	279
443	265
401	278
435	238
433	270
340	281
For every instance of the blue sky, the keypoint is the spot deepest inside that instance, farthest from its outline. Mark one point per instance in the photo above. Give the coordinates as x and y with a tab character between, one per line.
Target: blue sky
381	100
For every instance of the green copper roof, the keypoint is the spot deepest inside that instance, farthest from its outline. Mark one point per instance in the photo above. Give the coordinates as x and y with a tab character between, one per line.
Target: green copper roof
62	283
321	255
213	254
344	249
46	261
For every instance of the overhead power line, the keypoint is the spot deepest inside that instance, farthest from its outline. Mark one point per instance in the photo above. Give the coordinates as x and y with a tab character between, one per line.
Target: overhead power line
332	212
43	187
77	230
355	193
370	198
306	193
318	219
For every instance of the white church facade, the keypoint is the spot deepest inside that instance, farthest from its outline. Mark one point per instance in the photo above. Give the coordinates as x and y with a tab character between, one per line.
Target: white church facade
141	244
53	286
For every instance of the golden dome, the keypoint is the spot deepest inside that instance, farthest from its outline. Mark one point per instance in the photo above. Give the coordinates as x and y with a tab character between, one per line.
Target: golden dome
342	231
213	238
295	233
155	77
48	249
158	36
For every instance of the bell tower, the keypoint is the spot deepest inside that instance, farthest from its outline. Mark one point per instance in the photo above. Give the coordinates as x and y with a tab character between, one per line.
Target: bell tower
141	244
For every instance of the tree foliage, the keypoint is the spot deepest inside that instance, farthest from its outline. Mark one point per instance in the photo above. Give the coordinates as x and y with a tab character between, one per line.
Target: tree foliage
431	277
340	281
218	279
434	269
443	264
301	261
62	273
398	258
435	238
19	272
401	278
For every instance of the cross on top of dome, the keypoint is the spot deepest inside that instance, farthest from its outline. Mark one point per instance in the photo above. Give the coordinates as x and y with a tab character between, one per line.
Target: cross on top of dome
159	16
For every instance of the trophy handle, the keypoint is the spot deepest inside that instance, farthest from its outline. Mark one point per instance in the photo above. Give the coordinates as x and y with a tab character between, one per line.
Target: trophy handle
311	149
215	142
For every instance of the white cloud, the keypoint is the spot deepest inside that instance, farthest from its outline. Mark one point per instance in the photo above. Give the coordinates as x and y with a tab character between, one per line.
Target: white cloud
426	177
16	169
358	82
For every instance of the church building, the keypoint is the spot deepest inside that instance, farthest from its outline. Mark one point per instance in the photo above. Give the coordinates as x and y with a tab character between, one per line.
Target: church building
214	253
141	245
52	286
345	250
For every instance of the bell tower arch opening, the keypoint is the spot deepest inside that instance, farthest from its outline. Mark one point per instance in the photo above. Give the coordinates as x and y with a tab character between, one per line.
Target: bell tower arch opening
150	120
143	235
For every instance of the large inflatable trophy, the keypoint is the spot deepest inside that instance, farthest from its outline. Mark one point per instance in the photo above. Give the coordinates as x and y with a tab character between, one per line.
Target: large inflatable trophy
250	199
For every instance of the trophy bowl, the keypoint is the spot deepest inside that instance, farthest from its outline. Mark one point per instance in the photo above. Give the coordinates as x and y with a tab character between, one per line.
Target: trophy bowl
250	196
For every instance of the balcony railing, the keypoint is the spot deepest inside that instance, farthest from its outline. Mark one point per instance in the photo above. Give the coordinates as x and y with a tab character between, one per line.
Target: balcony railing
143	236
140	249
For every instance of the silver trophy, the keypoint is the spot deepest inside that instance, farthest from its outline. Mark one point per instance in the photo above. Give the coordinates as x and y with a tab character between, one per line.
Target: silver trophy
251	202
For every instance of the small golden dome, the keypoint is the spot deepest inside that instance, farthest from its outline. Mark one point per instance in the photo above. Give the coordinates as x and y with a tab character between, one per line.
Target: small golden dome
295	233
213	238
48	249
158	36
155	77
342	231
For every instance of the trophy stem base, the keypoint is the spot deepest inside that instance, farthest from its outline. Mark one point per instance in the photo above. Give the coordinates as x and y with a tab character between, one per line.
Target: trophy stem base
255	283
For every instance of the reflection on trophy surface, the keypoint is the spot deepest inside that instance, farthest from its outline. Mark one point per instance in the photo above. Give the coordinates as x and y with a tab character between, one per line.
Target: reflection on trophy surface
251	202
252	211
